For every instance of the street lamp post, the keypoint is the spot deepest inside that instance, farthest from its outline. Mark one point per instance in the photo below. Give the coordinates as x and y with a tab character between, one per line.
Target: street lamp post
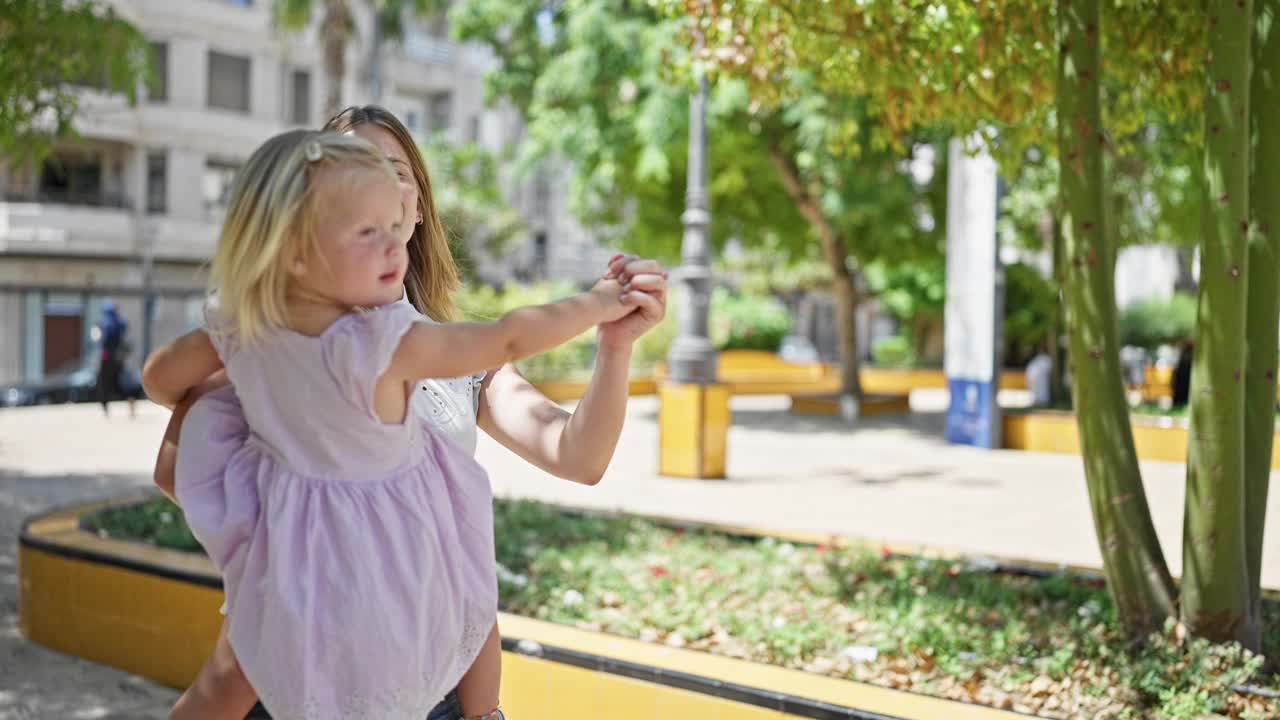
693	421
693	358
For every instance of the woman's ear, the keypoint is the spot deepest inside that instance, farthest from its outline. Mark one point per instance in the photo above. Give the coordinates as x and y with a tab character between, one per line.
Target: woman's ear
296	265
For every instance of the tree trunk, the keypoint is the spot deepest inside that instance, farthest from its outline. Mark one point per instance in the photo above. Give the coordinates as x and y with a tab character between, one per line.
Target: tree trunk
335	29
843	285
1215	579
1264	294
920	326
1137	577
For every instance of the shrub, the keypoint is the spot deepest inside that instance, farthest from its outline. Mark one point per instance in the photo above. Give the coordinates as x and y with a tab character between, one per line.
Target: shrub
893	352
747	322
1152	323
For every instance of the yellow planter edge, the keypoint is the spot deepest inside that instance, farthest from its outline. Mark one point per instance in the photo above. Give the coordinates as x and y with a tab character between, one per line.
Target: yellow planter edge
570	390
154	612
1056	432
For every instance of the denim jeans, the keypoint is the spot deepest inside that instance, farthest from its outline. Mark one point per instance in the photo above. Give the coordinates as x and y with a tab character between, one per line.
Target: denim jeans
447	709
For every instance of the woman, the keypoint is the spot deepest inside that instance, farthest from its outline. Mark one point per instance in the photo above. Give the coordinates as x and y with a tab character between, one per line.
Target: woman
575	446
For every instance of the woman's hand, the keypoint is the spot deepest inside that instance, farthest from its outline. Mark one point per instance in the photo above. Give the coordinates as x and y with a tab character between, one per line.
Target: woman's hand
645	285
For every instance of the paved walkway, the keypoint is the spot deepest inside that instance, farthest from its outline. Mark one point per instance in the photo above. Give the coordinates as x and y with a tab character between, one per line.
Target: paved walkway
893	480
55	456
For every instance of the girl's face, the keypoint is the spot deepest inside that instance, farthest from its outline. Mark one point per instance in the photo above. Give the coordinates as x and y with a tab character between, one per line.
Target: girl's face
360	256
391	148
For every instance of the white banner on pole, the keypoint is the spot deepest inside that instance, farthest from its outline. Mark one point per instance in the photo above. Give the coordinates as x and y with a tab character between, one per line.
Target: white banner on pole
973	310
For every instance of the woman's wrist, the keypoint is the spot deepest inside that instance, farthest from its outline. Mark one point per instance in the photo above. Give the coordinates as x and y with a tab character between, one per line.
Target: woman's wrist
614	350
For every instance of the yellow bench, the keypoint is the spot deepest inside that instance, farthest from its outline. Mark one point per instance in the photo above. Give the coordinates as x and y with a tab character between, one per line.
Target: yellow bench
895	381
759	372
1157	384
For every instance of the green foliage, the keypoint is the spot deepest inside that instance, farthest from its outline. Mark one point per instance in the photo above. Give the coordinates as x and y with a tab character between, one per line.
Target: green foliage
915	294
571	360
895	351
595	88
1030	310
653	346
601	86
1152	323
767	268
50	50
956	65
159	521
464	180
747	322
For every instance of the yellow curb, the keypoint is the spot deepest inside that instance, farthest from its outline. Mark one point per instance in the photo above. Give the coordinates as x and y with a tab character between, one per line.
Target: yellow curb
154	612
570	390
1056	432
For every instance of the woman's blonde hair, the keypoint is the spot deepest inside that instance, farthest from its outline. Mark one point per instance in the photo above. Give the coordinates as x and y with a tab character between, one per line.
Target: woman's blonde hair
271	220
432	276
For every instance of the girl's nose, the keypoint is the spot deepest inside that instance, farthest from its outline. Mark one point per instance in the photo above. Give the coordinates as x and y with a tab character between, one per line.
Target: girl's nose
396	240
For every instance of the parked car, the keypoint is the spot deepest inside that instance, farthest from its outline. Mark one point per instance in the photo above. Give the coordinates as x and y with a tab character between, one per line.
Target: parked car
76	384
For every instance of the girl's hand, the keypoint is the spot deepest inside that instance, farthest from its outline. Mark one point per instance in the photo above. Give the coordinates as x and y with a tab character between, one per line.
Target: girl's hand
645	286
610	296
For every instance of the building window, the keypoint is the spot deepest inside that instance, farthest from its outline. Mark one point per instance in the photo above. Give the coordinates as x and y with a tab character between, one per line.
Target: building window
412	122
228	82
541	192
157	180
438	24
72	179
301	97
218	177
441	109
540	254
159	89
92	78
473	128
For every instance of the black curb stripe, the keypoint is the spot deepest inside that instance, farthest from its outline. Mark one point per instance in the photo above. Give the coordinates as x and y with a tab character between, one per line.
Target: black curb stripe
138	566
781	702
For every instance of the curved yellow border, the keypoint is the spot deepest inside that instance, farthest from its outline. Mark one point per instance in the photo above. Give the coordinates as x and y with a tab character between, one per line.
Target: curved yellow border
154	612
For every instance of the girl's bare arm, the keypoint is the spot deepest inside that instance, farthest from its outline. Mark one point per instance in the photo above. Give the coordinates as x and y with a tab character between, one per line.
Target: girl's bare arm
172	370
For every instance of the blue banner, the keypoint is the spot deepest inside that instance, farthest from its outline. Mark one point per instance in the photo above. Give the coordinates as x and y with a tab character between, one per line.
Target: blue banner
972	416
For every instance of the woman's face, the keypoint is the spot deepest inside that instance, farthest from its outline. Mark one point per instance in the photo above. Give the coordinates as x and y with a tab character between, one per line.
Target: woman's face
395	153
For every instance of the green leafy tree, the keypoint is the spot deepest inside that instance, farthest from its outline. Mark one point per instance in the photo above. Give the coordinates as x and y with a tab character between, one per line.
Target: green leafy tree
1024	72
470	202
50	51
603	85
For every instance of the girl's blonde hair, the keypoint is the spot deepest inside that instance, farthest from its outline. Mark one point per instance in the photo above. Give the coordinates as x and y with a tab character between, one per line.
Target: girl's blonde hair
432	276
271	220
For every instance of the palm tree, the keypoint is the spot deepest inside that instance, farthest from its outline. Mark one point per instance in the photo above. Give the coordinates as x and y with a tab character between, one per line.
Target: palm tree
337	28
